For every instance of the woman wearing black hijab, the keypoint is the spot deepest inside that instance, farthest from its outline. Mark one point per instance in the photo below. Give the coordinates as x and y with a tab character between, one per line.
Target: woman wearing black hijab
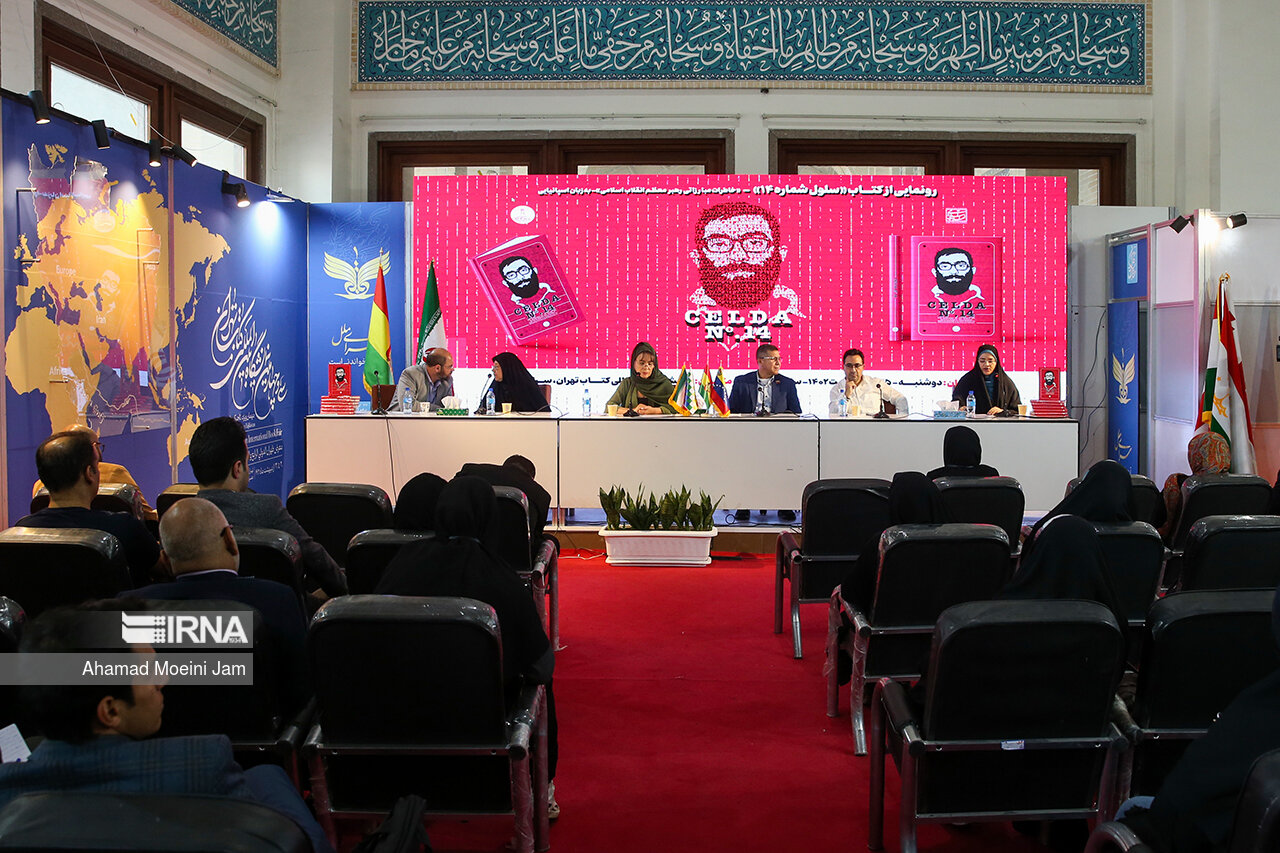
1068	565
514	384
1103	496
416	503
993	390
962	456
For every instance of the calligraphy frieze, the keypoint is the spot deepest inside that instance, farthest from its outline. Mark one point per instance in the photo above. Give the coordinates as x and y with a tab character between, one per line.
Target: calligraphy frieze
251	24
1082	44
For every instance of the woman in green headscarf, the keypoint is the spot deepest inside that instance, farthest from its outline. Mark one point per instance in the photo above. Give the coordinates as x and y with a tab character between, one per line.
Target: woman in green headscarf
647	390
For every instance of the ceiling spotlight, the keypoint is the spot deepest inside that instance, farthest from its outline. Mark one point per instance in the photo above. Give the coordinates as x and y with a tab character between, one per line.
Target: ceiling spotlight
182	154
100	133
236	189
153	152
1179	223
1235	220
39	106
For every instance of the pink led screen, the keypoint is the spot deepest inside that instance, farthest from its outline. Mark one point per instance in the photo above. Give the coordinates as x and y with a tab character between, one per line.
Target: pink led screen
569	272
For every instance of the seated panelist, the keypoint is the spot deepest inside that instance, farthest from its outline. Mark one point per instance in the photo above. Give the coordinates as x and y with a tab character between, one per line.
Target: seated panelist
863	390
765	390
429	381
647	391
992	388
514	384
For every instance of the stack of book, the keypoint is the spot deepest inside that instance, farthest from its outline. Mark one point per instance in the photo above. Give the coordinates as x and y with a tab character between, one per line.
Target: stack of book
1048	409
338	405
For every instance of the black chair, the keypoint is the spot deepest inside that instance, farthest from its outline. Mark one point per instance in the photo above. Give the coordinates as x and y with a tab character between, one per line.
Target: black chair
173	494
1219	494
437	728
270	554
334	512
111	497
924	569
45	567
12	620
1201	649
837	518
1255	828
985	500
252	715
1014	722
1232	552
176	823
1145	502
1135	555
370	552
538	563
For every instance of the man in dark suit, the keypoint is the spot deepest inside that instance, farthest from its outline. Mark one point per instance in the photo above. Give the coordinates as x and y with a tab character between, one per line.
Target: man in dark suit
68	465
96	738
201	550
517	472
766	391
220	461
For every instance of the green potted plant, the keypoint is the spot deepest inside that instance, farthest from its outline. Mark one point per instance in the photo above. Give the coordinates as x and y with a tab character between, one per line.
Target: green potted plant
672	529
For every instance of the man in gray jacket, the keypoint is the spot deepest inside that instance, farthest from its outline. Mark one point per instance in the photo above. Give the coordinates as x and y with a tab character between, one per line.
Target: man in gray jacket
220	460
429	381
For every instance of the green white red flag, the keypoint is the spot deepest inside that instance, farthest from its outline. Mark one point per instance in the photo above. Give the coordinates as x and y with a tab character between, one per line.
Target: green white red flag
1224	405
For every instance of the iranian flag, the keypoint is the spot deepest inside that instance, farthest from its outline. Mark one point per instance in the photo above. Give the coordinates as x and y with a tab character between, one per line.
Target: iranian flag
377	353
1224	407
431	326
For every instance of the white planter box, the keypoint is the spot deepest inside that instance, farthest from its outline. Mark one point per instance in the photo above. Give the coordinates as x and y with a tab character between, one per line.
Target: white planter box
658	547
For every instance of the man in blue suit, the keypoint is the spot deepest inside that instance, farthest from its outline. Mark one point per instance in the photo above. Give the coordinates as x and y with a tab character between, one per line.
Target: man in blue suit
96	739
766	391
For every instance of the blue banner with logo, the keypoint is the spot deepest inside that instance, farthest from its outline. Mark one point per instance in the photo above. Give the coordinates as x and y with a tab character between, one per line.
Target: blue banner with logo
1125	370
348	243
1129	270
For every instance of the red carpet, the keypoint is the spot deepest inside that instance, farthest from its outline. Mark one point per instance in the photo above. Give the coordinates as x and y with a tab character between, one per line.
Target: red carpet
686	725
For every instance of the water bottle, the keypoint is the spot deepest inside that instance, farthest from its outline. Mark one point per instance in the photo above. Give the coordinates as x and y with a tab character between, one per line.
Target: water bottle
489	402
407	404
843	410
586	402
971	404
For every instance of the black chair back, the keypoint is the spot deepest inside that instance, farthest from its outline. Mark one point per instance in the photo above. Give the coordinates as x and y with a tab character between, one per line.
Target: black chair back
44	567
177	823
371	551
1232	552
838	517
1135	556
926	568
334	512
12	621
358	646
1219	494
1145	501
985	500
1257	822
111	497
509	534
270	554
173	494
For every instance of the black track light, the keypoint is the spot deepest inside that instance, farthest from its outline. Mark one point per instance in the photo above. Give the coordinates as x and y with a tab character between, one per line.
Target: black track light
182	154
100	133
153	152
1235	220
1179	223
236	189
39	106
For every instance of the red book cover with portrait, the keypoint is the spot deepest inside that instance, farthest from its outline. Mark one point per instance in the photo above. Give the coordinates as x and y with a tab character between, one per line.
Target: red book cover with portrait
527	288
339	380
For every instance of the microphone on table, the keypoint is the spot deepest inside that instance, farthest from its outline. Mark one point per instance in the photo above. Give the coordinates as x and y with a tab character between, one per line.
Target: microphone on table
487	385
882	414
760	411
377	408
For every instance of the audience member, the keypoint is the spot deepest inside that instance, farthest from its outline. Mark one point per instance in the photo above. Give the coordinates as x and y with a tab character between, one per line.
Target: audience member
416	503
456	563
1068	564
201	551
1104	495
108	473
1207	453
96	738
518	472
962	456
220	461
1194	809
68	466
514	384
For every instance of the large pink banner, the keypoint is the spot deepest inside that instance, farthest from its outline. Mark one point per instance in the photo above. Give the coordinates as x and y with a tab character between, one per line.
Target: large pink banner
570	272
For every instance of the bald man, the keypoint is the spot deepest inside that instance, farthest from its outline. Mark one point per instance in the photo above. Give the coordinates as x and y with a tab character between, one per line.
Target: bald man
200	549
107	473
428	382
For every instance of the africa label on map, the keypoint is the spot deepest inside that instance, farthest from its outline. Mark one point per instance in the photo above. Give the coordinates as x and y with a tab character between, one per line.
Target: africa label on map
94	311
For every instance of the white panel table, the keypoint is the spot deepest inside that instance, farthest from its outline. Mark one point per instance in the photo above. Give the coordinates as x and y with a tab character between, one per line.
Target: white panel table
756	463
389	451
1042	454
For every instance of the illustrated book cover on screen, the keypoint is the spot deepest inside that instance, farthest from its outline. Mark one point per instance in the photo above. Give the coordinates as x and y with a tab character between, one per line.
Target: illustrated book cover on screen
527	287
